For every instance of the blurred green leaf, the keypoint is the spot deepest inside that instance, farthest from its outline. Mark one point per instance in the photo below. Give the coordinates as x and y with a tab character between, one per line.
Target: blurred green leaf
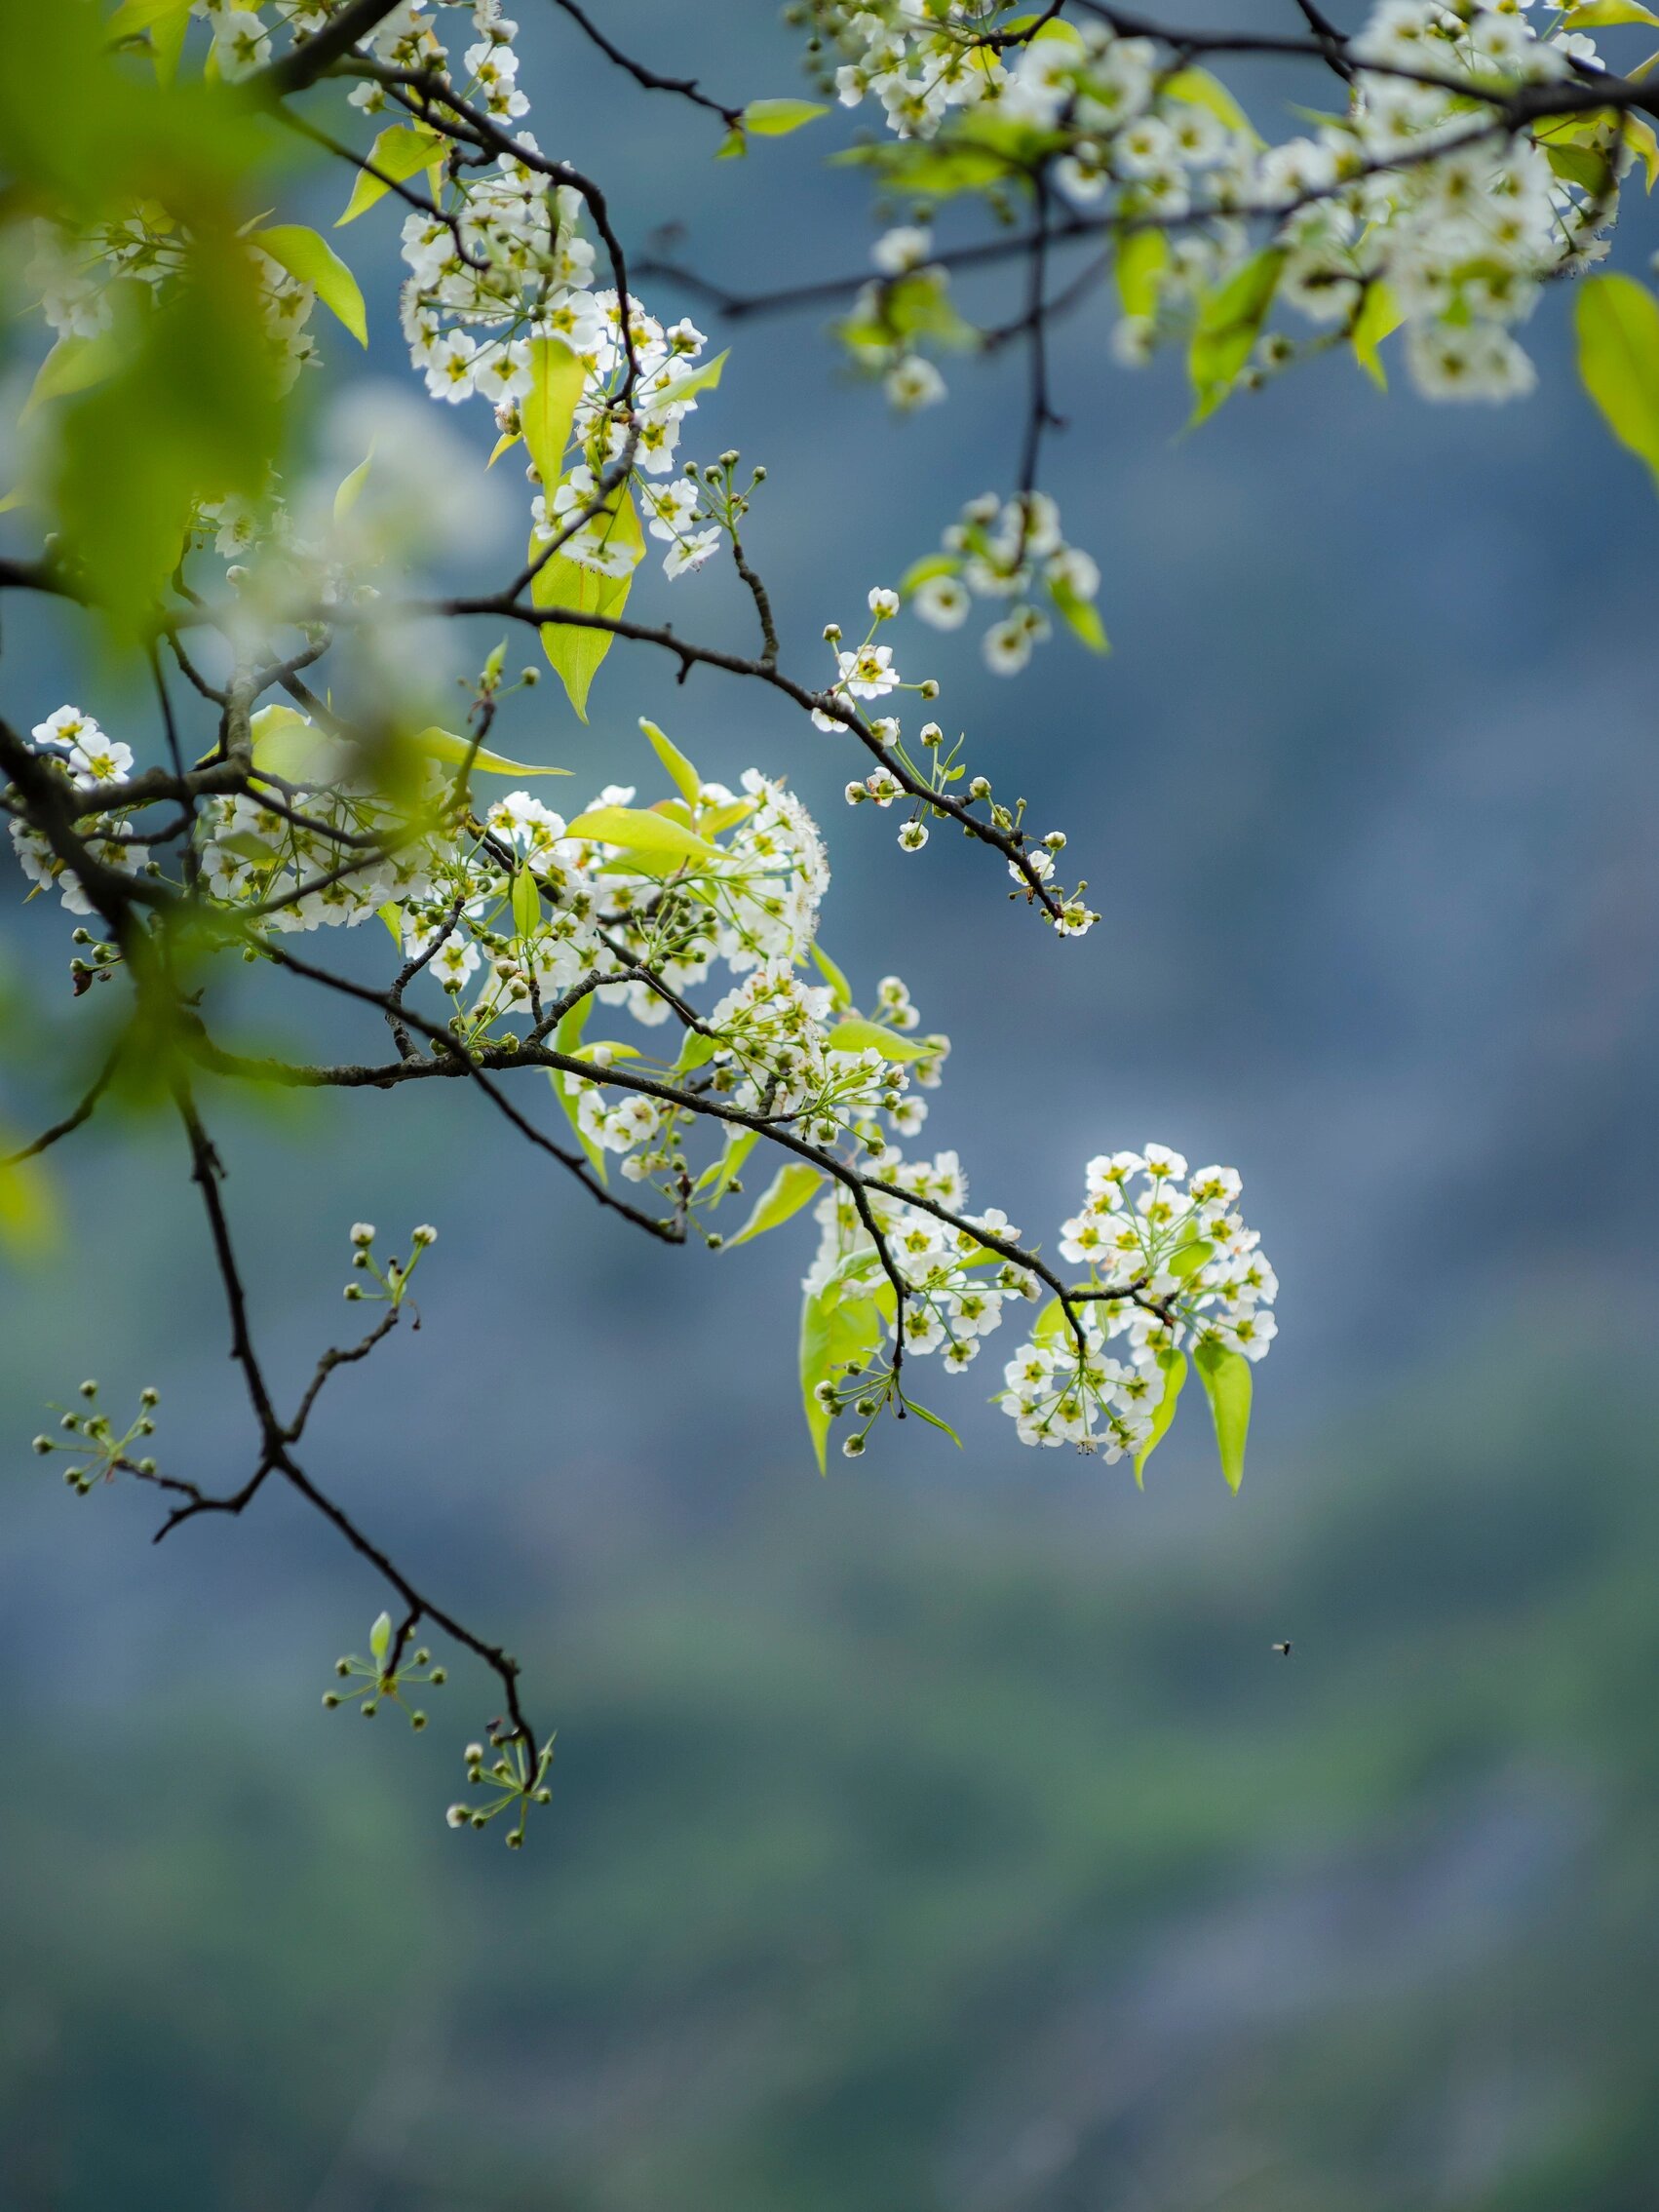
1229	323
776	118
1618	358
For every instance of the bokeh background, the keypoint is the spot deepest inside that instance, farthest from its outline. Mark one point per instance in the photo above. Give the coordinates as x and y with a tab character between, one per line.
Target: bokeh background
944	1834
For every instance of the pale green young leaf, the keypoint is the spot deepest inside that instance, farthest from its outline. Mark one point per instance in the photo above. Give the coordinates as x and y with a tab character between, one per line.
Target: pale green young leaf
1190	1258
701	379
641	830
933	1421
1606	15
835	1331
350	489
1229	323
1142	255
716	1179
381	1638
566	1039
1226	1378
840	990
74	365
684	775
854	1034
1199	89
577	650
1174	1366
1618	359
545	410
1379	314
526	901
776	118
792	1186
697	1048
398	153
442	745
309	257
924	570
136	16
1081	617
392	914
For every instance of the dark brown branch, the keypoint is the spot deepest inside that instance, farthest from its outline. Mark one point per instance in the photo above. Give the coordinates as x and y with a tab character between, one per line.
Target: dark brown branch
649	79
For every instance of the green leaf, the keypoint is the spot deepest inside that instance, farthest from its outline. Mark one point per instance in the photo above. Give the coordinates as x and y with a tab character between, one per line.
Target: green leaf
776	118
392	914
1199	89
1379	314
526	901
1081	617
923	571
286	744
1051	1325
309	257
1190	1258
351	487
1229	323
452	750
702	380
400	153
855	1034
696	1051
134	16
834	1333
1142	255
686	778
789	1189
933	1421
1606	15
840	990
1174	1365
1618	359
547	408
577	651
381	1638
565	1039
167	44
28	1213
1227	1380
716	1179
1584	166
656	836
734	145
74	365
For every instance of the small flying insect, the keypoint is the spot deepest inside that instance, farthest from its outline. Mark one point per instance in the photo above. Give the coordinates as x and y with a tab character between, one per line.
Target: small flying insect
1283	1649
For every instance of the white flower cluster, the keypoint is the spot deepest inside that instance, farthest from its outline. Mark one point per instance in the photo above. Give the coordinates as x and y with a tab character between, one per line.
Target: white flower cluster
501	264
1006	551
90	760
1196	1275
952	1299
1414	202
85	275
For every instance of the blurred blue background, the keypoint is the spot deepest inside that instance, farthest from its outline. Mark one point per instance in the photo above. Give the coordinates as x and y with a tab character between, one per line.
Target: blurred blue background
944	1834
